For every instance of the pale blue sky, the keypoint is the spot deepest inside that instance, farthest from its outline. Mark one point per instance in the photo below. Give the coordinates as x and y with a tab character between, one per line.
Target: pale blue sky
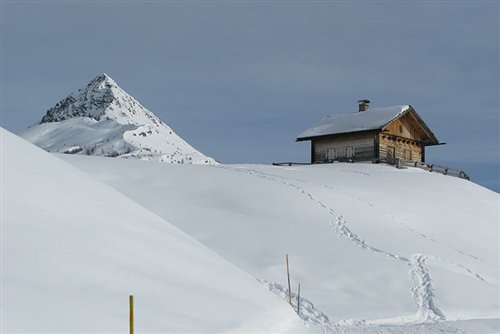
239	80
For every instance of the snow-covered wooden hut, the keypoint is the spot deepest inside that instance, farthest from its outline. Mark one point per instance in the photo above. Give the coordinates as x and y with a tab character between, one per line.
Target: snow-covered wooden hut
380	133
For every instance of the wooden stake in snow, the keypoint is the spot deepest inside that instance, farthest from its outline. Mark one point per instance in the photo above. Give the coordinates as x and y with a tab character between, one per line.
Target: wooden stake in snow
288	274
131	318
298	302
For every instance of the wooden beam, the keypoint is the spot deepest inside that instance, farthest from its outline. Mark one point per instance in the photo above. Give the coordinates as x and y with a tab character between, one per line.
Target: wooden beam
312	151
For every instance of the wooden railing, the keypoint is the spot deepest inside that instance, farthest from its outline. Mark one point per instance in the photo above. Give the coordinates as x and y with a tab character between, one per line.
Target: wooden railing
399	163
445	170
290	163
448	171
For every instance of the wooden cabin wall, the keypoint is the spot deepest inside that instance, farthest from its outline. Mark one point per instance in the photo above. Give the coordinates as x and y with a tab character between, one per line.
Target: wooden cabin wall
363	144
405	149
403	137
404	127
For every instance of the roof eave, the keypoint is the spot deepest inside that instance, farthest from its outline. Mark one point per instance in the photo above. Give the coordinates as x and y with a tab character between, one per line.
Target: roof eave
336	134
432	138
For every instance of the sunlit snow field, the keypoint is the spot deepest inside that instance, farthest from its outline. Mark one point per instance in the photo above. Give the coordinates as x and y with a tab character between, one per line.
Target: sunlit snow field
376	249
369	243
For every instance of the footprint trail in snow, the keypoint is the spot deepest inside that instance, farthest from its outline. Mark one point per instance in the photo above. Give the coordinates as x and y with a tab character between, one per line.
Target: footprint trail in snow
421	290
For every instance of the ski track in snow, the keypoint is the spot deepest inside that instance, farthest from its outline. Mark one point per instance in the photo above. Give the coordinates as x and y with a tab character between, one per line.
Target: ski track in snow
283	180
315	317
339	223
384	212
461	266
405	226
421	290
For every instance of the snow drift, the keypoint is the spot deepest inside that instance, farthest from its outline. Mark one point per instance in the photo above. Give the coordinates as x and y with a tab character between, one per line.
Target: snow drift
376	249
73	249
370	244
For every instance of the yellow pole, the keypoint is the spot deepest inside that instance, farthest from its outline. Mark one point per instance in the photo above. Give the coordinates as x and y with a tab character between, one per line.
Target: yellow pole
288	274
131	306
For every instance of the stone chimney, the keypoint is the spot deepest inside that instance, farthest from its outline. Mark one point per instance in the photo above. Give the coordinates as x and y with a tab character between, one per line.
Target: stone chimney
363	105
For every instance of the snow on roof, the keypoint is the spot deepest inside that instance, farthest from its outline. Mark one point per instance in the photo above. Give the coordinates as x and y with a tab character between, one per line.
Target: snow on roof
373	119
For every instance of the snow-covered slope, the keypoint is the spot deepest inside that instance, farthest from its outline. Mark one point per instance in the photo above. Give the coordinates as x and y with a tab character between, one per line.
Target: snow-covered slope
102	119
73	249
371	245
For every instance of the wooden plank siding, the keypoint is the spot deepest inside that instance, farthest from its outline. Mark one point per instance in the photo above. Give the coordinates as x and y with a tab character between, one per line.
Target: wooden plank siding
404	139
406	128
356	146
404	149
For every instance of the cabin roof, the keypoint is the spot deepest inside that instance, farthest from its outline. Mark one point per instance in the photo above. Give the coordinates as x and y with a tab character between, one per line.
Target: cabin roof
374	119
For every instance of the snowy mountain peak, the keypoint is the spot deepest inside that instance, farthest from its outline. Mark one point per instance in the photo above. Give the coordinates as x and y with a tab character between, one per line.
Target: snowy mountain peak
103	77
103	81
103	119
102	98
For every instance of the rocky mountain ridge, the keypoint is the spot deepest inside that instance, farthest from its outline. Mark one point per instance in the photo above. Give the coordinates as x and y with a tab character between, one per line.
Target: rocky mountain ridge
102	119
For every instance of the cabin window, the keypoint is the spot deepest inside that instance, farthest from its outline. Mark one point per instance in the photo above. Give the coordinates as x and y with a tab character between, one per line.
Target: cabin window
391	152
407	154
331	154
400	129
350	152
